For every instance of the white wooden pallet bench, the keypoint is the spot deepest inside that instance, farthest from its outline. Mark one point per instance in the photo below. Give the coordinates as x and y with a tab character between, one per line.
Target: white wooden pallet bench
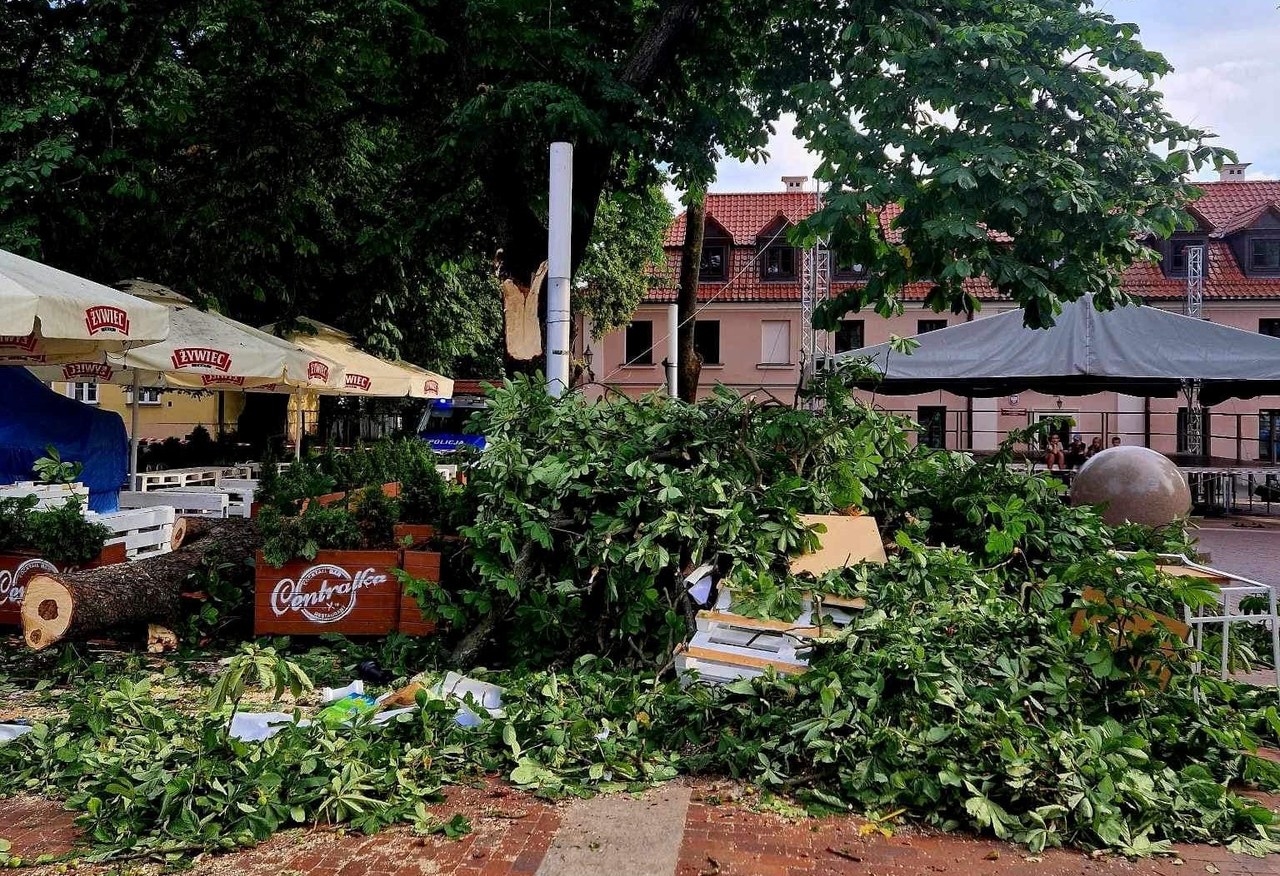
47	495
728	645
186	502
144	532
200	476
240	495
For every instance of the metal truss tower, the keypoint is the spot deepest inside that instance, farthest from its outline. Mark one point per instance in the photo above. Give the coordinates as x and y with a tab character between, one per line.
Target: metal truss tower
1195	309
815	287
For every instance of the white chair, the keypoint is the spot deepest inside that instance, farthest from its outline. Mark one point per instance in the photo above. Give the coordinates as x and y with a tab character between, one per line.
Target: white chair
1232	591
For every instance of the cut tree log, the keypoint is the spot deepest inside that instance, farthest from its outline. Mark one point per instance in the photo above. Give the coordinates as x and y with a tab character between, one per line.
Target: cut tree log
72	605
188	529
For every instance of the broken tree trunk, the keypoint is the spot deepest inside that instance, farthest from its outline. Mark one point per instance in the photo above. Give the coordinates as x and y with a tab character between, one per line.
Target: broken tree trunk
689	364
72	605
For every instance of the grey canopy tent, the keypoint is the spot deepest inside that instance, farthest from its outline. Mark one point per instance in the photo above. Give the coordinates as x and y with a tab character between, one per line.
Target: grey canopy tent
1137	350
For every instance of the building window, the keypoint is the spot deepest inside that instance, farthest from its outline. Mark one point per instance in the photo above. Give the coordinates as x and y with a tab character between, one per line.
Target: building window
775	342
850	336
639	346
715	262
778	263
1268	435
1184	438
1269	327
853	272
1176	263
83	392
706	340
145	396
933	427
1264	255
925	326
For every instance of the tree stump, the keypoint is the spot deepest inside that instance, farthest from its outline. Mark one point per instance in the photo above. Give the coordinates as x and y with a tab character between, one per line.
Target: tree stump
72	605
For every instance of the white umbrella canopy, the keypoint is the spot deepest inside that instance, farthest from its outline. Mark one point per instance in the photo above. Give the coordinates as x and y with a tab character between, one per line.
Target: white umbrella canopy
367	375
204	350
48	315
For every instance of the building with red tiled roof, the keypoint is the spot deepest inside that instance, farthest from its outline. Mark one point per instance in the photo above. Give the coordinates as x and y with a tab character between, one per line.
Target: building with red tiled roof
748	330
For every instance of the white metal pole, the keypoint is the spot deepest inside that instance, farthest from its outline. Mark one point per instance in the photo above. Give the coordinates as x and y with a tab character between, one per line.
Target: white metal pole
133	434
673	348
559	237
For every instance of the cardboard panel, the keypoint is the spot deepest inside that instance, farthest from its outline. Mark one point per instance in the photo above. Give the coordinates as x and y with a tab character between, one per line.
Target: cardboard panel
16	569
348	592
847	542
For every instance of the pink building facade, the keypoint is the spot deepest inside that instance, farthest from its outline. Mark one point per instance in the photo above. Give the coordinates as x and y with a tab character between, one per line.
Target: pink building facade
749	328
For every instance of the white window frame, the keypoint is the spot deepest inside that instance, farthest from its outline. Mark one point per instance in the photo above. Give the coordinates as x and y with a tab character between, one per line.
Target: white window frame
147	396
87	396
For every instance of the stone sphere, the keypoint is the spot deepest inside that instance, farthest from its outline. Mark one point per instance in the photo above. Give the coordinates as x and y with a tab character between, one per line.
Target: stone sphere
1135	485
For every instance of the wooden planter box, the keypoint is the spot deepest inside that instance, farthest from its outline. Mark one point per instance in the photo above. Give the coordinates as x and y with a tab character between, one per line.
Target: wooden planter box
350	592
424	565
16	569
418	533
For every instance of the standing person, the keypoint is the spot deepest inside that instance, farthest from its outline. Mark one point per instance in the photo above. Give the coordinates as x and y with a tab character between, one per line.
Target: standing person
1115	442
1095	446
1054	455
1076	452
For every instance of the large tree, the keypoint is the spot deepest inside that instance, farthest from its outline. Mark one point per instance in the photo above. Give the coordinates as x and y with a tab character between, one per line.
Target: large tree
370	161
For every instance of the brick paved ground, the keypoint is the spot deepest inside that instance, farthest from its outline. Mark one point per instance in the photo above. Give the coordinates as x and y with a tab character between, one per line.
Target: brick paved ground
512	832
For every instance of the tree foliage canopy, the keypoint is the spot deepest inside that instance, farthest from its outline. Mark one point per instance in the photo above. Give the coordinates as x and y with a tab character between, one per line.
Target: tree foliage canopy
372	163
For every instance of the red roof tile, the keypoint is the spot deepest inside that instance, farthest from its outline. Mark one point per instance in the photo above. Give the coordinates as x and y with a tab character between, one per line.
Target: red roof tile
1224	208
1223	201
744	215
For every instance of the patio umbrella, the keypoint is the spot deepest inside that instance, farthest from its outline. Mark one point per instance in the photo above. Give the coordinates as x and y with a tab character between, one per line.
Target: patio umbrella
204	351
367	375
47	315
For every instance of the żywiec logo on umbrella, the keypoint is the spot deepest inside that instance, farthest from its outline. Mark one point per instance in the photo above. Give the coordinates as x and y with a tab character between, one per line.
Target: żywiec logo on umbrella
322	594
317	370
26	343
358	381
106	318
220	380
83	370
431	386
202	357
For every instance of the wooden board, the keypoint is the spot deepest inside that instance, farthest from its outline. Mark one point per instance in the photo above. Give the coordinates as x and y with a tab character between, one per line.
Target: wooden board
350	592
1186	572
846	542
424	565
416	533
186	503
16	569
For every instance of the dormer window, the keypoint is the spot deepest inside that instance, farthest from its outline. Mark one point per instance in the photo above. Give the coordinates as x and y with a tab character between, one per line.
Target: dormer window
852	272
715	262
778	262
1176	258
1264	255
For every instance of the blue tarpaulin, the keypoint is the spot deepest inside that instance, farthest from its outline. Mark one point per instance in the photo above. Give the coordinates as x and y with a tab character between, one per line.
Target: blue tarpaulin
32	416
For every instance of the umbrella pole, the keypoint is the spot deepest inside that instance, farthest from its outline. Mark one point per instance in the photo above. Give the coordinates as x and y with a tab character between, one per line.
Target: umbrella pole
133	434
297	441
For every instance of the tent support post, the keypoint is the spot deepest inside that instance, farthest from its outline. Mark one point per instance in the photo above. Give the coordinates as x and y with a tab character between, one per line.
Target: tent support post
133	434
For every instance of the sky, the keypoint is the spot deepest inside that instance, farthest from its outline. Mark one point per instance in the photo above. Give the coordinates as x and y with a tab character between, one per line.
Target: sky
1226	58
